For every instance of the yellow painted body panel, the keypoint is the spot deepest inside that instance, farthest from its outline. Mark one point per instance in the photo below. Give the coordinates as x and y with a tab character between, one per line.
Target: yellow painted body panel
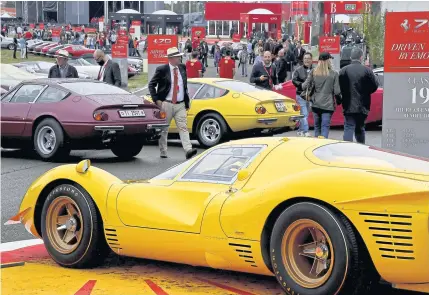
238	109
96	182
217	225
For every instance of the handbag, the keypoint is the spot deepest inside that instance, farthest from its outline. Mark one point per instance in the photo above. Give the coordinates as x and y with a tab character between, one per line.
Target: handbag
310	90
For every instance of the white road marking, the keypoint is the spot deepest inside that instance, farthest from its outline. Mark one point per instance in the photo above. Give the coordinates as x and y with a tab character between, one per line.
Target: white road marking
19	244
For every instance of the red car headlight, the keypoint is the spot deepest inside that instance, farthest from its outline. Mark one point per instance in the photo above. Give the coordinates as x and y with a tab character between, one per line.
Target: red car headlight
101	116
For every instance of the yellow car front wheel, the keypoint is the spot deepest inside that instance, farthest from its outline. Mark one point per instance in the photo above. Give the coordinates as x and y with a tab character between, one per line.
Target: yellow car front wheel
72	228
314	251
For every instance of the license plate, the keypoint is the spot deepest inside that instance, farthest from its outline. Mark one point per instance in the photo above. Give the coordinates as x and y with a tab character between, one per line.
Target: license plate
136	113
280	106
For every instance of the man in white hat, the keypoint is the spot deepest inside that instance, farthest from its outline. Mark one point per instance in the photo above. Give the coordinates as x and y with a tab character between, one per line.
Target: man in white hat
62	69
169	90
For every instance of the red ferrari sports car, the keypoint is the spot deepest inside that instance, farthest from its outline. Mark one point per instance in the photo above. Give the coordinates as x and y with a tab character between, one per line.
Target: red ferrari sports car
46	48
77	50
55	116
374	116
38	49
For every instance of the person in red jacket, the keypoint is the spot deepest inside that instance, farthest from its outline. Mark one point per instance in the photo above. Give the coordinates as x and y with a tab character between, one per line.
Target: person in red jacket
227	66
194	67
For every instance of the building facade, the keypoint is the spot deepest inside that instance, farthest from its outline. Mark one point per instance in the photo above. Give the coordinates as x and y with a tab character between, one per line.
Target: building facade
78	12
222	17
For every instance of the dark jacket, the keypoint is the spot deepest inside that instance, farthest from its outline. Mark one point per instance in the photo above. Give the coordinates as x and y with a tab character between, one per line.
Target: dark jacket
357	83
299	77
281	67
162	80
112	73
299	55
54	72
290	59
258	70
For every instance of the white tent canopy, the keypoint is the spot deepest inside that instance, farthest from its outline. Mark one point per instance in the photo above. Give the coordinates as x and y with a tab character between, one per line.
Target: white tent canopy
6	15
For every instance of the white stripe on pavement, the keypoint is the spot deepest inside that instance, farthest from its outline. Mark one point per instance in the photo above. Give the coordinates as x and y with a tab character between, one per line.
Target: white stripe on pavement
19	244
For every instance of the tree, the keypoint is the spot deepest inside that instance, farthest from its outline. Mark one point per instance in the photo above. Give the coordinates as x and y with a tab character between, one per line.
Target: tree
372	26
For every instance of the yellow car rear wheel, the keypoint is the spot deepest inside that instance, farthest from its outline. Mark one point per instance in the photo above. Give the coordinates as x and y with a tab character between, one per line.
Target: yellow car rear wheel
314	251
211	130
72	228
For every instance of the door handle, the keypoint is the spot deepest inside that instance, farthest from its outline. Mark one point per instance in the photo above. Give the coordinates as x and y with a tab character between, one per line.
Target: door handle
231	190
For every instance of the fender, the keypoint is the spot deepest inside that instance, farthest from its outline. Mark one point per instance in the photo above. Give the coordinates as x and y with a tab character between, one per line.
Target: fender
95	181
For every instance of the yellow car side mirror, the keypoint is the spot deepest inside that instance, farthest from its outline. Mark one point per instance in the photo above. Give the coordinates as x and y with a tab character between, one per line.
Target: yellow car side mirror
243	174
83	166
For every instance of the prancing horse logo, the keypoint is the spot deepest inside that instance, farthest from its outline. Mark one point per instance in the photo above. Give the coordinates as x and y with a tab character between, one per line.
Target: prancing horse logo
405	25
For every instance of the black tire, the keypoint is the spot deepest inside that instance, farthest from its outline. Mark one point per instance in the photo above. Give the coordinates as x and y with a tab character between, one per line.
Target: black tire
127	149
60	149
218	125
92	248
352	272
10	46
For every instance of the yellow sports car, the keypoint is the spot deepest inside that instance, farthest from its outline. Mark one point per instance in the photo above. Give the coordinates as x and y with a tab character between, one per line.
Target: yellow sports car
325	217
221	108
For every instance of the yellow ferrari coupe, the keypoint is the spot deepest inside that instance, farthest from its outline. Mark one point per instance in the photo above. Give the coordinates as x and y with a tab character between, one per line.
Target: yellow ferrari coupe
325	217
224	108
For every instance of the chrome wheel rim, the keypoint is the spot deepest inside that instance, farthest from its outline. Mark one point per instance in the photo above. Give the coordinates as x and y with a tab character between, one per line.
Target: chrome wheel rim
210	130
46	140
307	253
64	224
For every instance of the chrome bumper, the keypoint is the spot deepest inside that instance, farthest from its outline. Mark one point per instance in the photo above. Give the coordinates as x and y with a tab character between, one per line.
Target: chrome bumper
296	118
267	121
157	127
109	128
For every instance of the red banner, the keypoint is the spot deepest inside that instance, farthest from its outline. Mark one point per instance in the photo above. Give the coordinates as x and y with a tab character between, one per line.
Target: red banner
330	44
299	8
136	23
307	32
198	32
32	26
236	38
347	7
132	31
119	51
90	30
77	29
123	40
56	32
406	47
41	26
157	47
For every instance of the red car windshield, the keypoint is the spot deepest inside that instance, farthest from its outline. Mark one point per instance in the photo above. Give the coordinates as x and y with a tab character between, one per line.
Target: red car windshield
93	88
357	154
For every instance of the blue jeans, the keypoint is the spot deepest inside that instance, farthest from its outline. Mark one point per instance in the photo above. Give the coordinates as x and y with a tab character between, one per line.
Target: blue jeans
322	123
354	123
303	123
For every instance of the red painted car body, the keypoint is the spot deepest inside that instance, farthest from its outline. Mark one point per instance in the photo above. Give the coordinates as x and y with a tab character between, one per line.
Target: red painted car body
77	50
39	48
375	115
75	113
46	48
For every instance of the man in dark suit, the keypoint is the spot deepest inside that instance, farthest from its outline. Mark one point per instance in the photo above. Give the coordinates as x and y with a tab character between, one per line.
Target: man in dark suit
62	69
109	71
299	53
169	90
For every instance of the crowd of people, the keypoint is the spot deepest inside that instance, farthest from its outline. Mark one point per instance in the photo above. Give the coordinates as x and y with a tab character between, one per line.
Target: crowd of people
320	89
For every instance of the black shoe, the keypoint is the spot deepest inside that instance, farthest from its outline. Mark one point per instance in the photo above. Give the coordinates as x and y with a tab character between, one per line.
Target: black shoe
191	153
164	156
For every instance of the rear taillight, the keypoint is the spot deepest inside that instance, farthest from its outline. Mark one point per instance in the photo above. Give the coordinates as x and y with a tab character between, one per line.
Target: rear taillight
101	116
160	114
260	110
296	107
